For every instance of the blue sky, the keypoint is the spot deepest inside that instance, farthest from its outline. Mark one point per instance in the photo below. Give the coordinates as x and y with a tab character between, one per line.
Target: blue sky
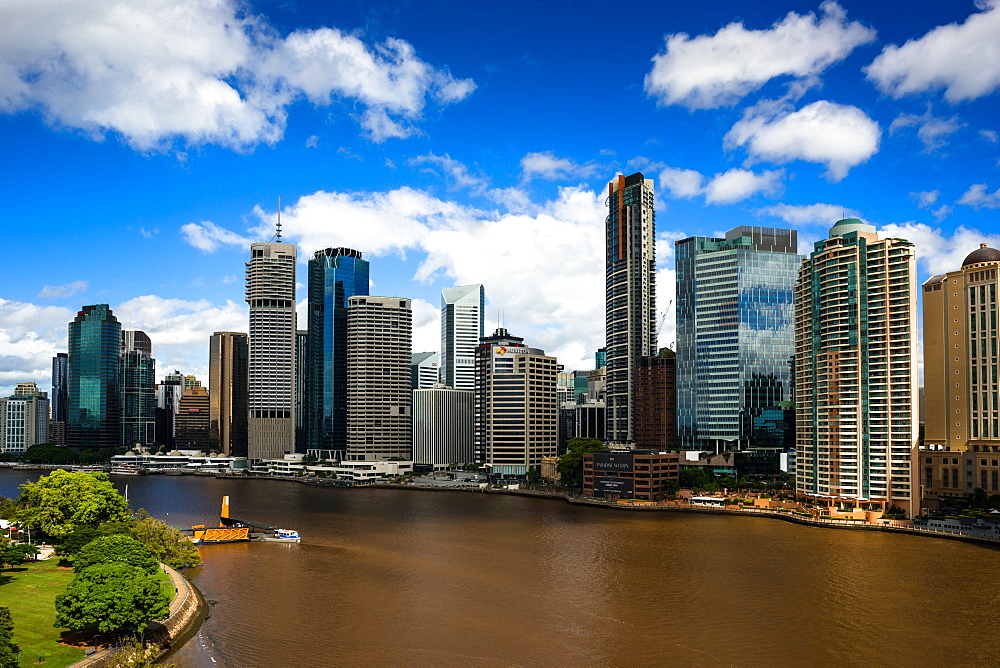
145	144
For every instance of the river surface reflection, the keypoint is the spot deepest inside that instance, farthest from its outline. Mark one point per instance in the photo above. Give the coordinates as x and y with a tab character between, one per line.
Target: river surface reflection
396	577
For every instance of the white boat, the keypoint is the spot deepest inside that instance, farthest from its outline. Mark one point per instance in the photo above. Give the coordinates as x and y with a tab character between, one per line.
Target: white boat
128	469
282	536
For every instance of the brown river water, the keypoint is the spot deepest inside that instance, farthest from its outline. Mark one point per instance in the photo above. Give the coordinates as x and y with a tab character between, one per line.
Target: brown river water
397	577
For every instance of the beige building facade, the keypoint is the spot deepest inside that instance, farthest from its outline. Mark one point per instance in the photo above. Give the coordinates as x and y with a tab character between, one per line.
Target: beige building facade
517	413
379	398
961	448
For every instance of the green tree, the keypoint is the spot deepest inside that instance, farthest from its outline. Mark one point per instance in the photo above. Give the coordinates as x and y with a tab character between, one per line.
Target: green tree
49	453
111	597
8	650
63	500
114	549
696	478
167	544
978	498
76	539
570	466
15	554
670	487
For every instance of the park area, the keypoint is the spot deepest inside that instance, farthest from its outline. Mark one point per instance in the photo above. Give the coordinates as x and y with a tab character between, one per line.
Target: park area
30	591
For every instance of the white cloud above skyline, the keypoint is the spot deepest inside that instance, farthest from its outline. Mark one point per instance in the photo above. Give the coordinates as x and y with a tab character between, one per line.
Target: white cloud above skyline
809	214
961	58
835	135
154	71
717	70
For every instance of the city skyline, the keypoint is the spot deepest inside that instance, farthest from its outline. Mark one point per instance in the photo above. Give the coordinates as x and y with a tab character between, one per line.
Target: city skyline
148	199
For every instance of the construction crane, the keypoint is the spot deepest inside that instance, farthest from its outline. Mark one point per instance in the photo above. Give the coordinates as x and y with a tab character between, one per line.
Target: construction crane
663	321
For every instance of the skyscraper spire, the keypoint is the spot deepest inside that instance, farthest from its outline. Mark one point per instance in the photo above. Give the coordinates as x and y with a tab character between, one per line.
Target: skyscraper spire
277	234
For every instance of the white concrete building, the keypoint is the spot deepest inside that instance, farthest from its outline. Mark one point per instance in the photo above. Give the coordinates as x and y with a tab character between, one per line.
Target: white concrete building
270	292
24	419
462	312
379	398
442	426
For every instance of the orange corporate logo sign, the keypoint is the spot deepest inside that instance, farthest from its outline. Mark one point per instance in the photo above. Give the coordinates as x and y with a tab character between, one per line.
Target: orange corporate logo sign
501	351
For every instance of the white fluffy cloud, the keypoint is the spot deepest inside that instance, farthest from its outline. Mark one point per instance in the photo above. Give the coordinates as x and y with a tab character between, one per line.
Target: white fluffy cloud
55	291
30	335
838	136
547	165
925	198
208	236
457	171
963	59
207	72
715	70
809	214
681	183
977	197
938	253
931	130
737	185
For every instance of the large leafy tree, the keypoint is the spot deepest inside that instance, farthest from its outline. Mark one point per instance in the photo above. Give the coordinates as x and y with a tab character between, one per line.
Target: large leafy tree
167	544
111	597
115	549
8	650
570	466
48	453
62	501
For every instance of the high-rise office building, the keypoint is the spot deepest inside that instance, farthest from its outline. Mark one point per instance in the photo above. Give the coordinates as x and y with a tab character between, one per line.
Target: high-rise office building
58	397
228	364
24	419
379	398
270	292
656	401
168	401
462	311
138	389
93	379
735	333
855	361
630	265
442	427
425	370
335	275
59	400
961	388
192	429
301	390
517	415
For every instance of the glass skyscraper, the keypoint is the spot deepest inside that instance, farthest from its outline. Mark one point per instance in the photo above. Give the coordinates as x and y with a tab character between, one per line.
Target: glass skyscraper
138	388
735	333
94	379
335	275
59	399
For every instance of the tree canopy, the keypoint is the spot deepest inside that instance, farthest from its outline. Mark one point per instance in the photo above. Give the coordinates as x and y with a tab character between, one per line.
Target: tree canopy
62	501
49	453
167	544
115	549
8	650
111	597
570	466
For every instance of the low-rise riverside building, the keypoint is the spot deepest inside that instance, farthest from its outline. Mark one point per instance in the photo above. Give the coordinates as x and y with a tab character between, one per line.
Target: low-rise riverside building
628	474
188	461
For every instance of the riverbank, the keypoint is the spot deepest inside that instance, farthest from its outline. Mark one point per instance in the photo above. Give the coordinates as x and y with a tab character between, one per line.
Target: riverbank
188	610
786	515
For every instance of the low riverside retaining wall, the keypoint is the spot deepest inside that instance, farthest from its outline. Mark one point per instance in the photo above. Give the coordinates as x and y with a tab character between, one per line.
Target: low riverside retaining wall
187	611
688	508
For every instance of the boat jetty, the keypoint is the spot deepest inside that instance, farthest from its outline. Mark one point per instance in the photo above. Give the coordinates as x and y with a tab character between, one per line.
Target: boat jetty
232	530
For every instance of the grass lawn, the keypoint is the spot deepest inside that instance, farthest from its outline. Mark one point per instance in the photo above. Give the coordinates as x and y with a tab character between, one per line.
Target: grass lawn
30	592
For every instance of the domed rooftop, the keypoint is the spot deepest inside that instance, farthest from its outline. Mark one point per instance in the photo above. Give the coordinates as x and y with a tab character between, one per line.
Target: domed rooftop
983	254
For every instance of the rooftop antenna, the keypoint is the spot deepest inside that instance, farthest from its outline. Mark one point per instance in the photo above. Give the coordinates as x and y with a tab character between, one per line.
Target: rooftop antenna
277	234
